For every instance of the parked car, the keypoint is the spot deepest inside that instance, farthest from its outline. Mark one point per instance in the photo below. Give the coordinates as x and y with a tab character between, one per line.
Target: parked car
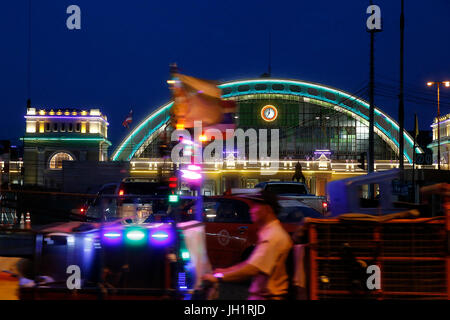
297	191
230	233
130	198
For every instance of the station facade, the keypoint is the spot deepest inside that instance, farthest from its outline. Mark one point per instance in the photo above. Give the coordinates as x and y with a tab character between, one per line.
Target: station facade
56	135
444	126
323	128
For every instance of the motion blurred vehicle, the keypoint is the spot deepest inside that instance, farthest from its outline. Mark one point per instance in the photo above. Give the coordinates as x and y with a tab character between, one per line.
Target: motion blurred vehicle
298	191
116	260
230	233
139	199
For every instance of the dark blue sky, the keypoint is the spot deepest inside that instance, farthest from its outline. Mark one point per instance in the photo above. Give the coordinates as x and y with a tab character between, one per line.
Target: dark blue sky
120	58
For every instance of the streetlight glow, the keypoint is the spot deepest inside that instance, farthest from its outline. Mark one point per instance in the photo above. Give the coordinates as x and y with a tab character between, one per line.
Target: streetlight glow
430	84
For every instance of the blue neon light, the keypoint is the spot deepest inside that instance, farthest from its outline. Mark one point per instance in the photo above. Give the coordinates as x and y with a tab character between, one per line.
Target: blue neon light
146	137
160	235
112	235
340	95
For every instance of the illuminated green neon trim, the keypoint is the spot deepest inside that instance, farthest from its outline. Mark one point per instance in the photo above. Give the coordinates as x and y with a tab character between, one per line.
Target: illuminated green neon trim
435	143
127	141
306	84
65	139
159	125
340	95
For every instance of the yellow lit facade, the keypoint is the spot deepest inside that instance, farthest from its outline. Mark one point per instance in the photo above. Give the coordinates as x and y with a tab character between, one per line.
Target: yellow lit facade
31	126
322	128
444	124
244	175
61	134
66	120
94	127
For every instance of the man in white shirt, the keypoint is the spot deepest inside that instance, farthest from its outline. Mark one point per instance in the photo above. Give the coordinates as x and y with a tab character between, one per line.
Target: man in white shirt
267	263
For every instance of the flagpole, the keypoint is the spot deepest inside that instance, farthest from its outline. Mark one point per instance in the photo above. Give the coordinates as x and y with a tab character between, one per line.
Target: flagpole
29	57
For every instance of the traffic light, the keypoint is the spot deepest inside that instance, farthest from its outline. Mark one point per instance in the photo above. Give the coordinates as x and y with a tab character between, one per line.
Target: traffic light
173	198
173	183
362	161
173	186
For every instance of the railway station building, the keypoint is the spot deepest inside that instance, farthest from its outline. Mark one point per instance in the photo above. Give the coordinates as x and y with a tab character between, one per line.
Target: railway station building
323	128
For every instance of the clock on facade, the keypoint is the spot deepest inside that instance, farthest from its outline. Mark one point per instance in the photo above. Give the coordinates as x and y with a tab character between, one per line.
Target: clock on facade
269	113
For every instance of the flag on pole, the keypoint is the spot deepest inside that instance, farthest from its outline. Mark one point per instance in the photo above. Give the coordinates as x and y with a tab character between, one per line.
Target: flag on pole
196	99
416	126
128	119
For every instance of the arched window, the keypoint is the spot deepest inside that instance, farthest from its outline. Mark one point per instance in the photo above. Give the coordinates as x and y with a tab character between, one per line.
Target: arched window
57	159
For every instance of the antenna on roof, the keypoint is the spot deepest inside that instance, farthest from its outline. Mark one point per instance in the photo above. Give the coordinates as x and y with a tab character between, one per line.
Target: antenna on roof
29	57
270	54
269	62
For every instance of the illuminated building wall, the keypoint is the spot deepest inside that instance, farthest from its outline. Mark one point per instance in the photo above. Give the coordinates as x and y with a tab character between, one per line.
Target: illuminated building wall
444	125
56	135
310	117
306	126
10	165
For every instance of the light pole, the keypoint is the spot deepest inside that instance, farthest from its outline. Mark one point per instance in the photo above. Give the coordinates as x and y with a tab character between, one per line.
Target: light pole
438	86
401	101
373	25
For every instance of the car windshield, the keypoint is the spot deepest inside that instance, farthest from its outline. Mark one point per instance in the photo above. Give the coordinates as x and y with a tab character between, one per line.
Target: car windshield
144	188
286	188
134	199
225	210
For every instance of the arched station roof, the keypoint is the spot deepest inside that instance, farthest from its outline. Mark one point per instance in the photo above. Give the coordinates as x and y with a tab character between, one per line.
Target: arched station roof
140	137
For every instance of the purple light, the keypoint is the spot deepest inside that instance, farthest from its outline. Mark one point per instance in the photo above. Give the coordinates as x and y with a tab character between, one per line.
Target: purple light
160	237
186	141
67	117
190	175
112	236
182	280
319	152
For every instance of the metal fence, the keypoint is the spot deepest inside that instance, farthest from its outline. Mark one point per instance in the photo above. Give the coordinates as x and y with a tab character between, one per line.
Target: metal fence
412	256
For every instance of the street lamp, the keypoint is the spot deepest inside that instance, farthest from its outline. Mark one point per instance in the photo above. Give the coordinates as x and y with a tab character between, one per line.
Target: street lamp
438	85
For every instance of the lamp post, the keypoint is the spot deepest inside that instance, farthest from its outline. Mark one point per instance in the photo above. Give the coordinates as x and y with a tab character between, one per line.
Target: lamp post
438	86
373	25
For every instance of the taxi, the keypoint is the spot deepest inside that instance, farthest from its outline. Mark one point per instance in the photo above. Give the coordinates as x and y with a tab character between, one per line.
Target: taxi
230	233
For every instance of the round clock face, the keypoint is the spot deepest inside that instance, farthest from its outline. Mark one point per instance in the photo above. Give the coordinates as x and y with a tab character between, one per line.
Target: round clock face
269	113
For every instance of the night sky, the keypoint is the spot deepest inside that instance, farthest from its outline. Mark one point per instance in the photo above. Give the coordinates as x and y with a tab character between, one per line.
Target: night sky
120	58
